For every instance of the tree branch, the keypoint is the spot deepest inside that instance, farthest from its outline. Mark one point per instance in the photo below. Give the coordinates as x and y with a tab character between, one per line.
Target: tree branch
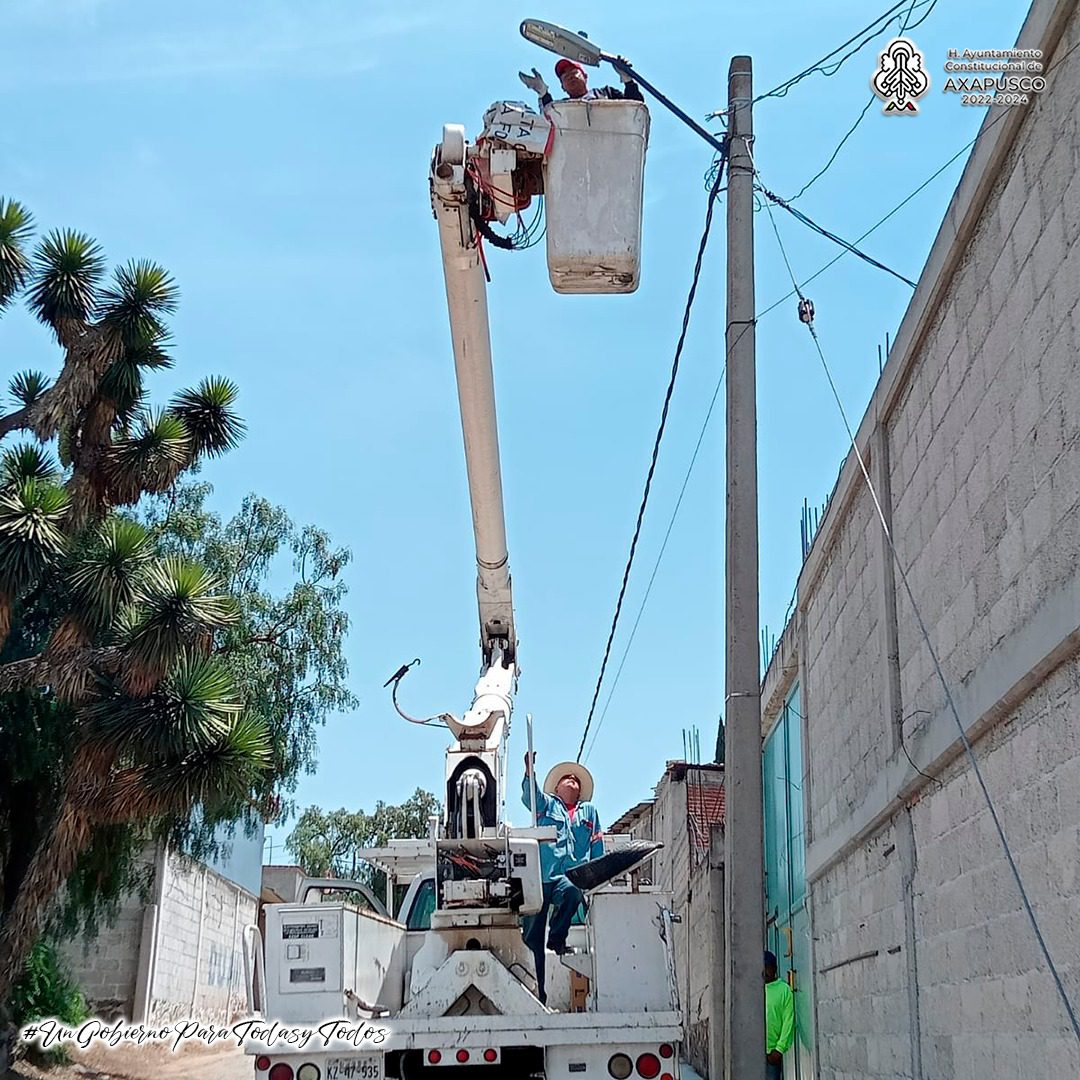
42	671
16	421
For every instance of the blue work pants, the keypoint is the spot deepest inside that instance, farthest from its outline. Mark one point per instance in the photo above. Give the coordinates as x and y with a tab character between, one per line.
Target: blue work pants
561	899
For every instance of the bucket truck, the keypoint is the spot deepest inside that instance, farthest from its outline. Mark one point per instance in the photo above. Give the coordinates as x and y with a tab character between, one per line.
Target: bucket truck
447	981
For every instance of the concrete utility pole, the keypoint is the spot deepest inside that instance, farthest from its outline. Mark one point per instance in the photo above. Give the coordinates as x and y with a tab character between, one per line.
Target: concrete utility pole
744	994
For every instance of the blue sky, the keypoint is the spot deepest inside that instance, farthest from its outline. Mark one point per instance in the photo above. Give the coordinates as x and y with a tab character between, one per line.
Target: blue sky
274	157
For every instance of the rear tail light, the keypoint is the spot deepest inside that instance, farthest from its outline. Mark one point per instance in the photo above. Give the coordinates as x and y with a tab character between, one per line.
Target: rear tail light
620	1066
262	1063
462	1056
491	1055
667	1076
648	1066
666	1050
434	1057
308	1071
281	1071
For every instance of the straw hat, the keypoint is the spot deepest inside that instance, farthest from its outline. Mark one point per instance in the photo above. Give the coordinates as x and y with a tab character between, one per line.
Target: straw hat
570	768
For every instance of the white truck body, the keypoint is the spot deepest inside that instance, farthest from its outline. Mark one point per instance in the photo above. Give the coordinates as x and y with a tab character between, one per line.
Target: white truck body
327	960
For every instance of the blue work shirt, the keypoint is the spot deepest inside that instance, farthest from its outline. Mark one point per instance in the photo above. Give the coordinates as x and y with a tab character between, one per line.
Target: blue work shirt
578	839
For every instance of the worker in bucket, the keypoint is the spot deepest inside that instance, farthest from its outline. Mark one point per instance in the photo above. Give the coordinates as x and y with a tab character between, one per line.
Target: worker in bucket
575	84
564	803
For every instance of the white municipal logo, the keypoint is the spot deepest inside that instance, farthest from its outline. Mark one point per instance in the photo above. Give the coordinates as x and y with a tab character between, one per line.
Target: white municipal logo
900	79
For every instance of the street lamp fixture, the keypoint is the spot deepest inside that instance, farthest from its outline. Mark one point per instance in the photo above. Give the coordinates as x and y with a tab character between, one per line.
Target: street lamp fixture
559	40
578	47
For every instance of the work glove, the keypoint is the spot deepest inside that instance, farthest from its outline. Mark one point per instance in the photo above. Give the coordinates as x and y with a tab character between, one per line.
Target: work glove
535	82
624	75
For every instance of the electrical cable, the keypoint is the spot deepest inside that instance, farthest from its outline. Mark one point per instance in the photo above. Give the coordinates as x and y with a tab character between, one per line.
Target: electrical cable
659	557
394	681
811	224
839	146
904	28
925	634
772	307
711	205
761	314
872	29
903	202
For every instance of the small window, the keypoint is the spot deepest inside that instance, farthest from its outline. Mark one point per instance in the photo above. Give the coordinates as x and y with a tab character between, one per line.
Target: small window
422	906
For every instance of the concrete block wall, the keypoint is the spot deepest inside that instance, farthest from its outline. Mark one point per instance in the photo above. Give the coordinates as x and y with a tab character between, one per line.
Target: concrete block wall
841	626
987	1002
194	973
924	963
985	445
863	1018
696	885
199	969
106	967
703	976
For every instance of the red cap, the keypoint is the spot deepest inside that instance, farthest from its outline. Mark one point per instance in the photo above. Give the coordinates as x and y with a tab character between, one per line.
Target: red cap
564	65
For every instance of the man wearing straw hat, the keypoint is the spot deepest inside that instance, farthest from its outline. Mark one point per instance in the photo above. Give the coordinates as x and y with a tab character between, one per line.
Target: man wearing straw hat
564	803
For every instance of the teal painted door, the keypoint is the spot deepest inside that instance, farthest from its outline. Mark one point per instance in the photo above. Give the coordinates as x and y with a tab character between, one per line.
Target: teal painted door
787	924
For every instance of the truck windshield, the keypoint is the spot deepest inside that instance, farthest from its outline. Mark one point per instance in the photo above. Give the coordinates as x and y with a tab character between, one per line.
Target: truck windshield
419	917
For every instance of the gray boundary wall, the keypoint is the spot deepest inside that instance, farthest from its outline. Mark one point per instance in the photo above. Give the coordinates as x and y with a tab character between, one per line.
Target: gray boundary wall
924	963
179	956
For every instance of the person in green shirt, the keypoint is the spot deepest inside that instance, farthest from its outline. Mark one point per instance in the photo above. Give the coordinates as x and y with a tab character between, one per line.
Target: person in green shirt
779	1019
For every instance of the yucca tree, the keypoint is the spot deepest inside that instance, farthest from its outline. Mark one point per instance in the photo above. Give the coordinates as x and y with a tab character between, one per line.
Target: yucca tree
112	332
94	619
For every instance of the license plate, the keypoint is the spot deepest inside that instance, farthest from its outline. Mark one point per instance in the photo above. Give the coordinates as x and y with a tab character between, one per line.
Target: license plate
365	1067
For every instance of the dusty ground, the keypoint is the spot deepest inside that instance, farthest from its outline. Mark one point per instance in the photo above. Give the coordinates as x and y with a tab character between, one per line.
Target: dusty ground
146	1063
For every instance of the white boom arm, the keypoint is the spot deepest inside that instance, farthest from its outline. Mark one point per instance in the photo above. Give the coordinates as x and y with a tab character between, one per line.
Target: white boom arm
466	295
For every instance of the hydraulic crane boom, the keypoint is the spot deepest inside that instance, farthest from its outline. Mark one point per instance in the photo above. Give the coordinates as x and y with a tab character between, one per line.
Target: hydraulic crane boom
466	295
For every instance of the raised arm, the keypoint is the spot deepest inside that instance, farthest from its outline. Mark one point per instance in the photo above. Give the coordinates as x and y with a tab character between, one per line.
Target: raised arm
543	802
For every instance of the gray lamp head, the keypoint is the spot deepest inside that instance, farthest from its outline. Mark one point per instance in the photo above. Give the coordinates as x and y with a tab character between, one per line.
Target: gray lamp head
558	39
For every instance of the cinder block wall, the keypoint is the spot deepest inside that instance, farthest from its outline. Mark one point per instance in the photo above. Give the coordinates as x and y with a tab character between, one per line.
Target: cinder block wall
106	967
194	975
200	975
925	965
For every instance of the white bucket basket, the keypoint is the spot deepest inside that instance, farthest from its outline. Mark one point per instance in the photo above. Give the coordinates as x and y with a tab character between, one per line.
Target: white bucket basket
593	189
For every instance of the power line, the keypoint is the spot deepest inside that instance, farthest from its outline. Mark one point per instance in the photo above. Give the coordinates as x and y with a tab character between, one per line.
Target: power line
761	314
904	28
925	633
659	557
868	33
903	202
822	231
839	146
656	448
708	416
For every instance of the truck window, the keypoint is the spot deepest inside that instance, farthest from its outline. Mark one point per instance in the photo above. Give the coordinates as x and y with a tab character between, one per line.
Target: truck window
419	917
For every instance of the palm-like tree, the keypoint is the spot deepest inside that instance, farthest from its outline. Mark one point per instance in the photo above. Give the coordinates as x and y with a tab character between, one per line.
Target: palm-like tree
91	616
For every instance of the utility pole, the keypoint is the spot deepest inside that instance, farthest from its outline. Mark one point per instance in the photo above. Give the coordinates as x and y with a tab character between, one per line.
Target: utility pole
744	995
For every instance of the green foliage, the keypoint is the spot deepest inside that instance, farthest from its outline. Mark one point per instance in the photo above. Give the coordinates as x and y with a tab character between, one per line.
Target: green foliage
284	654
31	537
209	415
46	989
27	461
27	386
326	842
132	306
112	656
285	649
68	266
16	228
